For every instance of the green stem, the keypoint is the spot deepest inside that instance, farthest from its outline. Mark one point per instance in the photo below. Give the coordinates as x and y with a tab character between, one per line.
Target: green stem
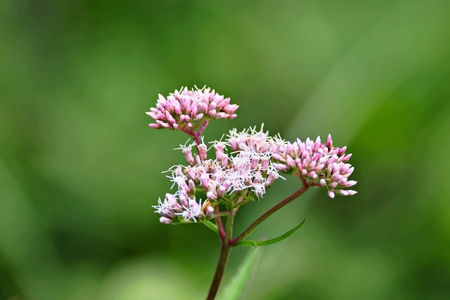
223	257
268	214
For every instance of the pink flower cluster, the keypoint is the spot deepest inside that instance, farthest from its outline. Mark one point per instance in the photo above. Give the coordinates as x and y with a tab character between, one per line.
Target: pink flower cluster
245	164
233	179
318	164
185	109
182	206
254	140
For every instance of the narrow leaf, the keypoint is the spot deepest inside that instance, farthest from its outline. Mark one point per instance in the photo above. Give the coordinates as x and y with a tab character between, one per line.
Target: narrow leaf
211	226
269	242
235	287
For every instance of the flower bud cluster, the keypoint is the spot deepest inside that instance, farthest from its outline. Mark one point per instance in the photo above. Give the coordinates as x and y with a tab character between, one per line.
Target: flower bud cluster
185	109
320	164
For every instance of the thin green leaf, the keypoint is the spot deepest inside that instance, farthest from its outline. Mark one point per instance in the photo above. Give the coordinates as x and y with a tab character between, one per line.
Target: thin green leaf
269	242
235	287
211	226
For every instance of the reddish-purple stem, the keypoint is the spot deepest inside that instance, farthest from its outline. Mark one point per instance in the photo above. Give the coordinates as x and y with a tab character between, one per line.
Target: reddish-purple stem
223	257
269	213
228	242
219	224
200	131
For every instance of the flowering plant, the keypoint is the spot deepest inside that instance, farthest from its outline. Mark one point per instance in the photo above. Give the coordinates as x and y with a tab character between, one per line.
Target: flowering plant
245	164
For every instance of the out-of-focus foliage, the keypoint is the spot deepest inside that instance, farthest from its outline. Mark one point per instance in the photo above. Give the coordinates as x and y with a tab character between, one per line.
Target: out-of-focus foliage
80	169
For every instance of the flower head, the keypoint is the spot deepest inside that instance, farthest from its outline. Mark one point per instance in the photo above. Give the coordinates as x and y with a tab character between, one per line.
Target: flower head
172	212
188	109
320	164
237	175
251	139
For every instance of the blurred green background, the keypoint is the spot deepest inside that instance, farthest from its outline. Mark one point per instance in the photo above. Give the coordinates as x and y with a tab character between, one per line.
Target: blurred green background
80	168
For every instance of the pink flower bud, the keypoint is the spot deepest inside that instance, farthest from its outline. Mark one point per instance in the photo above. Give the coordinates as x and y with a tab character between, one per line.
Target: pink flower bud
264	163
188	155
165	220
211	195
221	191
203	151
329	142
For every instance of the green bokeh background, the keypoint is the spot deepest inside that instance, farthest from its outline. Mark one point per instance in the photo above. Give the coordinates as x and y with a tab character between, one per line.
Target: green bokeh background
80	168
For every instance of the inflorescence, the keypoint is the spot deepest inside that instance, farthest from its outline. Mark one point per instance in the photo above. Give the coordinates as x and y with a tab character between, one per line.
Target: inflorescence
185	109
244	165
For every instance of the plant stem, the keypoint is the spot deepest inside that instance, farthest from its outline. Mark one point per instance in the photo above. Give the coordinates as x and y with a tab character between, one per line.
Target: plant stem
223	257
200	131
219	224
228	242
268	214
